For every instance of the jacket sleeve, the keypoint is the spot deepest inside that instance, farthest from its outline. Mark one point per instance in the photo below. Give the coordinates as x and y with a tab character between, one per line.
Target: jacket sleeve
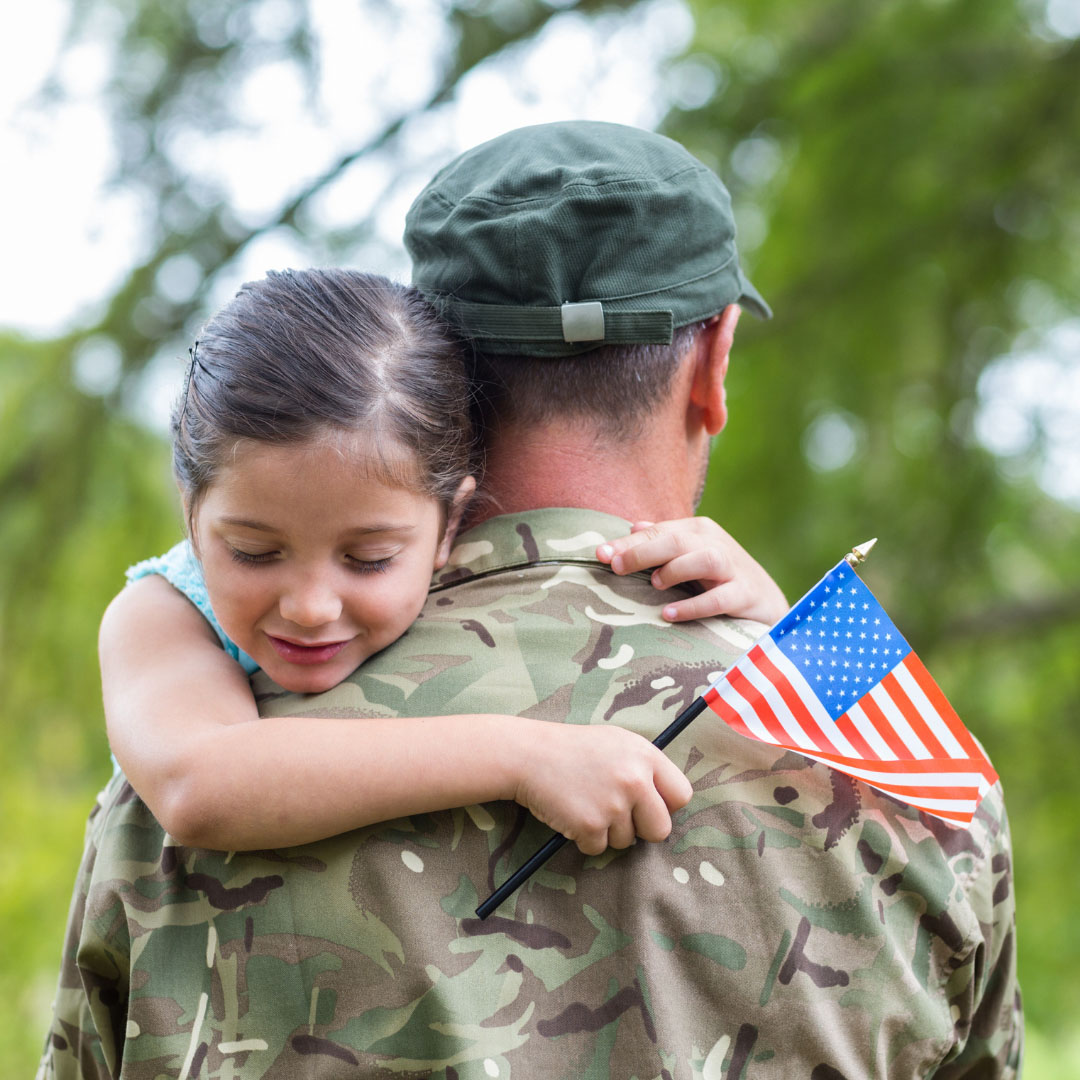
87	1031
984	993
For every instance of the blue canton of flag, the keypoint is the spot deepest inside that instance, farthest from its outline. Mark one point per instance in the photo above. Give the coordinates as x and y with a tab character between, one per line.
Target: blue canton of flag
841	640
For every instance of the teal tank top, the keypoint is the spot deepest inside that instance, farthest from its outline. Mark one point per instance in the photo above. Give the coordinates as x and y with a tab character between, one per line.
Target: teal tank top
179	567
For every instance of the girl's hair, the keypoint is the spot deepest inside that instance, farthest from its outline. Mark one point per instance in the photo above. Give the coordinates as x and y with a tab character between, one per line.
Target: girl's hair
304	354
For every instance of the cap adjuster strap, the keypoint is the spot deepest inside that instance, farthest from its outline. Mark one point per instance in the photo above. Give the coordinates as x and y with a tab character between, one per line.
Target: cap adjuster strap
583	322
568	323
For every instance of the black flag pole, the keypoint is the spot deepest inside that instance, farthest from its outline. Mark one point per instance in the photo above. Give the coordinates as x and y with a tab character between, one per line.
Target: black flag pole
679	724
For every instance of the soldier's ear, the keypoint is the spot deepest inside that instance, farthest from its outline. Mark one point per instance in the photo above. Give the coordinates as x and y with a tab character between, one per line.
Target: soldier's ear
707	392
466	490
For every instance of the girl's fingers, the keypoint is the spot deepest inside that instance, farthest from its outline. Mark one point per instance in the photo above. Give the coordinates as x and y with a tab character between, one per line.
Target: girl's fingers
648	817
651	547
710	566
651	544
672	785
652	819
621	832
593	843
721	600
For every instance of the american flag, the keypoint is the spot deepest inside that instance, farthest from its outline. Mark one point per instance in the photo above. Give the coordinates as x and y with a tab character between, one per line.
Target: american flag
836	681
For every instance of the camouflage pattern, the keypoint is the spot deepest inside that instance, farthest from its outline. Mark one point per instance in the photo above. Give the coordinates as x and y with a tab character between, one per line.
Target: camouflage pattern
795	925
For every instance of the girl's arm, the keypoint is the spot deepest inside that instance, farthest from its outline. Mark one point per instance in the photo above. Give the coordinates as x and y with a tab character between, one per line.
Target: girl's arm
697	549
183	725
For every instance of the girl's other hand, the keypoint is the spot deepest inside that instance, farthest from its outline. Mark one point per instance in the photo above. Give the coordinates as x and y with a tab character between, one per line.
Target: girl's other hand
600	786
697	549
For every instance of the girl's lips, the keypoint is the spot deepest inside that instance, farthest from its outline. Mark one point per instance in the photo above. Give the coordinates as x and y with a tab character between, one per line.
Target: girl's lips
306	654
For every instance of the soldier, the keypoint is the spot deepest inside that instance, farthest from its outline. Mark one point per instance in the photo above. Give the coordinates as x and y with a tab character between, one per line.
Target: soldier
795	924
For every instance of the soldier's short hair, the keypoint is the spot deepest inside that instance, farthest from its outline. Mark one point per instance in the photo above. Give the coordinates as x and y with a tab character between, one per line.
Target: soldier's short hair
614	388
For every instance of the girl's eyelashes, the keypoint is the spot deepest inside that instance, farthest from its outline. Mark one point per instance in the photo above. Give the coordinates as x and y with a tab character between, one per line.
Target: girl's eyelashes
249	559
369	566
359	566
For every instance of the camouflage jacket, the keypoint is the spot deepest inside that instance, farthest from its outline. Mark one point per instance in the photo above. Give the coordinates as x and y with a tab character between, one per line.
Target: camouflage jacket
795	925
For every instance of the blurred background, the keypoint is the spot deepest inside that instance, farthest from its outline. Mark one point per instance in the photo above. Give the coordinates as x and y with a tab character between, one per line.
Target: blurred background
905	174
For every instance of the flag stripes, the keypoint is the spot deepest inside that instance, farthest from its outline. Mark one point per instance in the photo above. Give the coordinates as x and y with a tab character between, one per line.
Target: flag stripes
942	787
886	698
826	734
874	745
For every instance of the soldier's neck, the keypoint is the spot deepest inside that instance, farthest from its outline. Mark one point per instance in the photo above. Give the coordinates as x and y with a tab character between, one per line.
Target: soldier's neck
648	479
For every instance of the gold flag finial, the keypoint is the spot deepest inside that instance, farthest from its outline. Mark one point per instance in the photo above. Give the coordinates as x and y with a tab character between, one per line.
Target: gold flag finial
858	554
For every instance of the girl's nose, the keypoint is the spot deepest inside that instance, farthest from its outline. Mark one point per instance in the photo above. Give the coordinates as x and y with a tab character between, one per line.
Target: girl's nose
310	603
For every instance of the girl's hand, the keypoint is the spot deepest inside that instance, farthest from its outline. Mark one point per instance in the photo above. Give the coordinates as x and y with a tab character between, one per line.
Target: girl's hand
600	786
697	549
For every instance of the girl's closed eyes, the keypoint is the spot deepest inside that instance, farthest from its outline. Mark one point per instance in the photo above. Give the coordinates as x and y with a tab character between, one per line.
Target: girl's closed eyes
354	562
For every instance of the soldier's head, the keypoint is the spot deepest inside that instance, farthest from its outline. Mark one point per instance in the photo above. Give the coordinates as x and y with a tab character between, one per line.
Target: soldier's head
582	260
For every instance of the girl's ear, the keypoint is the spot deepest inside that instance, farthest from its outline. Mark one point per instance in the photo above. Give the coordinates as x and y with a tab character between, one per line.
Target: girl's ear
465	492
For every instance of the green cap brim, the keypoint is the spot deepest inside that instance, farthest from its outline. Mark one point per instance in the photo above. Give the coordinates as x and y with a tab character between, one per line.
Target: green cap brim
751	299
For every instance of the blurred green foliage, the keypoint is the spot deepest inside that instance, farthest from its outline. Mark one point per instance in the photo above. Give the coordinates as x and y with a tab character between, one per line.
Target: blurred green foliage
914	165
904	174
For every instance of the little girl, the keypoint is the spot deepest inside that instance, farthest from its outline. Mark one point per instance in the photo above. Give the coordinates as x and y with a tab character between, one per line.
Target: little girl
324	459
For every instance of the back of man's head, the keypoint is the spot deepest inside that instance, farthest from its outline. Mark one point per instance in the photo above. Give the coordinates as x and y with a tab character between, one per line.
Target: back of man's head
580	258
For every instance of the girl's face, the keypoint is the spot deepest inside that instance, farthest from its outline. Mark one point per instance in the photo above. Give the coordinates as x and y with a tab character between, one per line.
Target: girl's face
313	560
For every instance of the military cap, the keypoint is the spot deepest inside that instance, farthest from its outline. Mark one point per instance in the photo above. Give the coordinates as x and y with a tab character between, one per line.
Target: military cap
555	239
